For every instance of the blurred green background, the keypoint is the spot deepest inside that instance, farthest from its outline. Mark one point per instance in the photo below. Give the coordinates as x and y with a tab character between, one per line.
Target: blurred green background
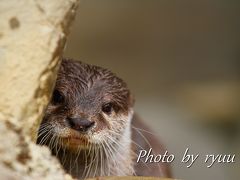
181	59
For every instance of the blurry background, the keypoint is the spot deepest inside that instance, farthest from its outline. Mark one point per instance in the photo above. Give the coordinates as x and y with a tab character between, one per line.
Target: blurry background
181	59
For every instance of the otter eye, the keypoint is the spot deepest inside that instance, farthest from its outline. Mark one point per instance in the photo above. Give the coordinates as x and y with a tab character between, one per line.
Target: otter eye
57	97
107	108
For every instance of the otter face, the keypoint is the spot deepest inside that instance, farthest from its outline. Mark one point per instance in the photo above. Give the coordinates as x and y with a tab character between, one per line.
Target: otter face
89	105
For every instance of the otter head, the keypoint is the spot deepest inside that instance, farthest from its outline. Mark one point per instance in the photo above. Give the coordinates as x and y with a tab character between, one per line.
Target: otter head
89	106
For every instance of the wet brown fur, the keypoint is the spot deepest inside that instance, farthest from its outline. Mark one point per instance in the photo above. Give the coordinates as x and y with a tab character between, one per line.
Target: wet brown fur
85	89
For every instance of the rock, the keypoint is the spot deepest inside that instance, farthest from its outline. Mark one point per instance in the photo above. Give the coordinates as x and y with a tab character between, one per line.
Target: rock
32	38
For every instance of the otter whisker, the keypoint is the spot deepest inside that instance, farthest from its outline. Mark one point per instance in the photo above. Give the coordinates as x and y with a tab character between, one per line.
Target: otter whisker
107	157
64	155
58	145
76	159
111	155
102	159
50	142
97	161
113	148
43	128
93	157
43	132
45	137
136	153
160	169
134	127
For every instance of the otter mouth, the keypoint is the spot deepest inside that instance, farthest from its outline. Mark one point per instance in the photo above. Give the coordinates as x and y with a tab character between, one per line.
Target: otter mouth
75	141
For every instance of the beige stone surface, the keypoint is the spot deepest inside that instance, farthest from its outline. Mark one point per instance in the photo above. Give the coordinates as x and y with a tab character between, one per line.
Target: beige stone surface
32	36
130	178
32	39
22	159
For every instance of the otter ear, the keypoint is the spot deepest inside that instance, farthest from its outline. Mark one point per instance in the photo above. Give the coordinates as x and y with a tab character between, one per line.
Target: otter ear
131	100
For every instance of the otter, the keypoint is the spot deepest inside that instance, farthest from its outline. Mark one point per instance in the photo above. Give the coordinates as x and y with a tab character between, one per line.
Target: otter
90	125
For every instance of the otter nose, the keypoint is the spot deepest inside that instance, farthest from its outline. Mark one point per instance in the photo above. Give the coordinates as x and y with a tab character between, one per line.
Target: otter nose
79	124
